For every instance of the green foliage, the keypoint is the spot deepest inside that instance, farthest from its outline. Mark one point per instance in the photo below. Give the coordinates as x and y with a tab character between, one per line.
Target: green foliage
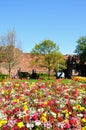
55	61
81	48
46	47
48	56
3	76
45	76
38	128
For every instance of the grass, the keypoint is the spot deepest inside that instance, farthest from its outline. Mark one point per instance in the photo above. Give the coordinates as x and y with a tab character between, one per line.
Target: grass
63	81
33	80
52	80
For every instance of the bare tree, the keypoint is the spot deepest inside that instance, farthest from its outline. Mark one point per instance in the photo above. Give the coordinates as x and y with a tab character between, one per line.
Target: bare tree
9	53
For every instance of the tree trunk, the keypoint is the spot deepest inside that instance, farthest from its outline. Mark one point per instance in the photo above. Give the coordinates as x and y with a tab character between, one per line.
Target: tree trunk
48	73
9	72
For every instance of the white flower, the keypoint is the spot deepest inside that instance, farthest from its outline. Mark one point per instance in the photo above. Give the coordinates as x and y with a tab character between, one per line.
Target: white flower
47	125
32	110
3	99
40	110
80	115
53	113
22	95
62	105
37	122
35	100
20	114
79	97
72	101
29	125
74	107
60	124
2	116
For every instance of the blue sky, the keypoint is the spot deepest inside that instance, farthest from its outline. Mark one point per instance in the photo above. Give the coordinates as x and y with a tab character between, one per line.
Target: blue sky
62	21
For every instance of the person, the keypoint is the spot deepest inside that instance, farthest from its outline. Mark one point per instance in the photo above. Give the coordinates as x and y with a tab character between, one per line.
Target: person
34	74
18	72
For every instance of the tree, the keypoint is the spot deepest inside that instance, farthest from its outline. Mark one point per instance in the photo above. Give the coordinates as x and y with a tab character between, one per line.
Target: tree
81	49
48	56
81	52
9	53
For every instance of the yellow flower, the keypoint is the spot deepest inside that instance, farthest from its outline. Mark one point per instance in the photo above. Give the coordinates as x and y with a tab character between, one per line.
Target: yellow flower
84	128
65	111
49	85
20	124
2	91
44	119
67	115
7	92
59	114
17	85
70	113
82	108
36	91
44	114
2	122
22	98
15	100
12	91
25	107
25	103
84	120
5	83
78	107
45	103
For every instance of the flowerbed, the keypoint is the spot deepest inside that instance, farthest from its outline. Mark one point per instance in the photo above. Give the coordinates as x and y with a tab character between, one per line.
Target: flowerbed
42	106
80	79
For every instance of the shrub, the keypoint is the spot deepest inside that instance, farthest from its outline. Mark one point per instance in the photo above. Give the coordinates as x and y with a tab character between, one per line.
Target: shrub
3	76
45	76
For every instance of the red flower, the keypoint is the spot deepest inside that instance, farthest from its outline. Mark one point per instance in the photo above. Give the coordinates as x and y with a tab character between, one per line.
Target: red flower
85	101
15	128
6	128
50	103
73	121
15	110
66	96
9	112
8	117
23	128
60	118
26	118
55	110
51	119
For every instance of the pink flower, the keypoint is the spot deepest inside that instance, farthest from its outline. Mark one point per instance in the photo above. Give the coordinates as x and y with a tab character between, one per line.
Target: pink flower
67	126
50	103
85	116
35	116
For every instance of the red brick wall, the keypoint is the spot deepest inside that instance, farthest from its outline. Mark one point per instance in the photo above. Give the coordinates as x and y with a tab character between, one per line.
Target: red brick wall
25	65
